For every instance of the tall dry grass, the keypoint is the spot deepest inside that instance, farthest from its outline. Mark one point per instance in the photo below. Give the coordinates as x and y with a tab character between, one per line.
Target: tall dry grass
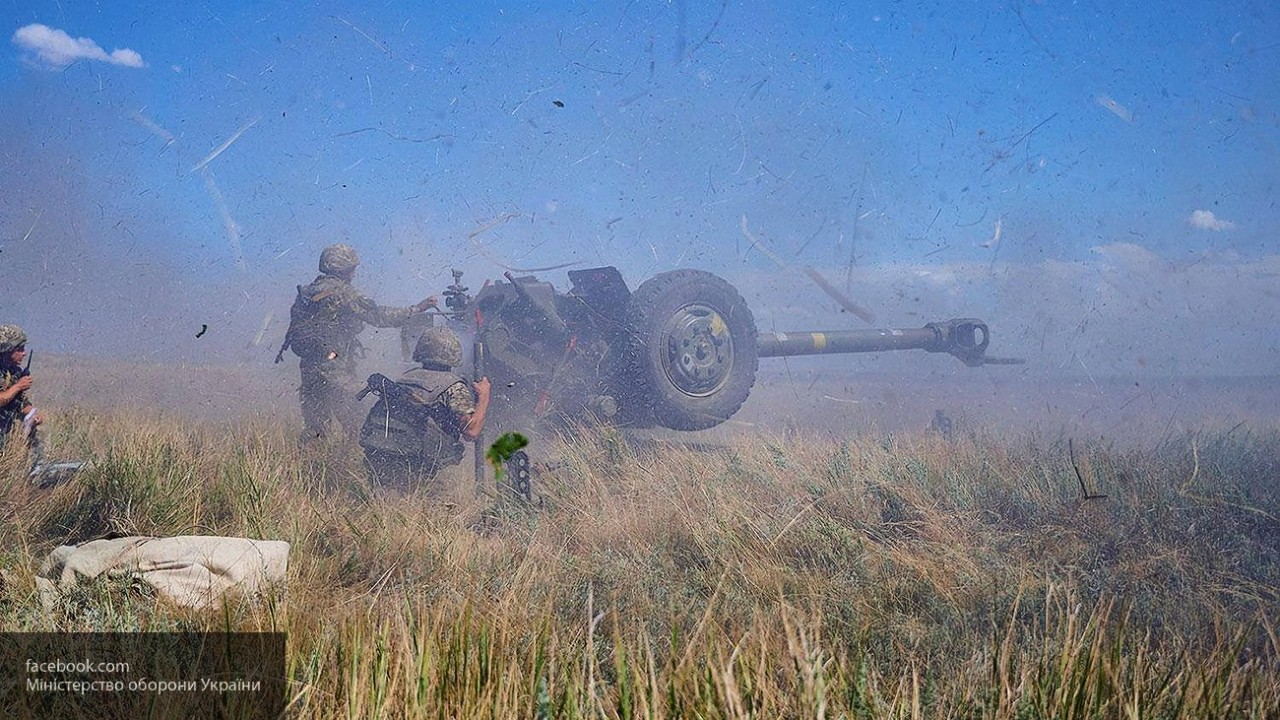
882	576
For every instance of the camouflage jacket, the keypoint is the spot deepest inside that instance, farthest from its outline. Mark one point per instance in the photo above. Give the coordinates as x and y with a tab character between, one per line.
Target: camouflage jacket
11	411
328	314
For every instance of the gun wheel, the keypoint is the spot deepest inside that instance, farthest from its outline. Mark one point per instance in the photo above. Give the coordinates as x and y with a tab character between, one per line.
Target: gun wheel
694	349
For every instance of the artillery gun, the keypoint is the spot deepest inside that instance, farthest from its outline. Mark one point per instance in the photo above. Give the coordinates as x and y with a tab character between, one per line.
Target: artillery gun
680	352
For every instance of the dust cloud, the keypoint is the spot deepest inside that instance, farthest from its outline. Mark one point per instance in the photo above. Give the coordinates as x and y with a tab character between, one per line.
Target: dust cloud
160	205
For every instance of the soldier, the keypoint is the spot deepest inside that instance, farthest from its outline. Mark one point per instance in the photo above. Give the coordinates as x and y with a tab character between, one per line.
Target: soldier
324	321
418	425
15	381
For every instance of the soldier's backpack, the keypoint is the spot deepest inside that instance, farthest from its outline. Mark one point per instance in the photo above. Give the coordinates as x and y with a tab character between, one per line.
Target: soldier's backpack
396	425
314	329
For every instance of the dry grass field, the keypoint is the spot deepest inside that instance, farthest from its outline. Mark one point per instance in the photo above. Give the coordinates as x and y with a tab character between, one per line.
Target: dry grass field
775	569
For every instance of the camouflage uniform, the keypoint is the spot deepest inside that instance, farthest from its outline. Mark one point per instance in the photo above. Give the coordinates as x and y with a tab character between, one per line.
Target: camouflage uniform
11	338
407	440
325	319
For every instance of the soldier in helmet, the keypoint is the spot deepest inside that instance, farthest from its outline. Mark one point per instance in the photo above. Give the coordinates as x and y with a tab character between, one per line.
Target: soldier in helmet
324	321
417	428
15	381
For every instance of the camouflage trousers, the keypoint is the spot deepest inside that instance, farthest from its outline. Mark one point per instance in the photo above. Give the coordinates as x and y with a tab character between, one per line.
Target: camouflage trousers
328	394
402	473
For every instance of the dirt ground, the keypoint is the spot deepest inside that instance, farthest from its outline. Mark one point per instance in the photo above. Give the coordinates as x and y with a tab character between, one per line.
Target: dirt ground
799	396
1009	401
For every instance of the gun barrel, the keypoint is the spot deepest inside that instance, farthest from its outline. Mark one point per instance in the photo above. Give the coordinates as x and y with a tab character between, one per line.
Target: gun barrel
965	338
843	341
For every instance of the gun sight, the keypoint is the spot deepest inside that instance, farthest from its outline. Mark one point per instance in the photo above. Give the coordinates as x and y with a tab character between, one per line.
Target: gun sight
455	296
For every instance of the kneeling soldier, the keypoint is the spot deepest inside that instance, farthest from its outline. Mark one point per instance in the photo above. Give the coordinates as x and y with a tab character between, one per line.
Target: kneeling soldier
16	409
418	424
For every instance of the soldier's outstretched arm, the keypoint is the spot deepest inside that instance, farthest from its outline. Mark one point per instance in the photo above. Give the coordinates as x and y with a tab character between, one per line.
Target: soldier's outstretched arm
377	315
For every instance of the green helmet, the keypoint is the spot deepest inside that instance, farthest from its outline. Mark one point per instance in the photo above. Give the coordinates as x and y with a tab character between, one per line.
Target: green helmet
11	338
338	259
438	345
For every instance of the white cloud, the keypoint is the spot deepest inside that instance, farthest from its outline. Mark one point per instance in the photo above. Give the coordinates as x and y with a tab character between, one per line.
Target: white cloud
1206	220
55	48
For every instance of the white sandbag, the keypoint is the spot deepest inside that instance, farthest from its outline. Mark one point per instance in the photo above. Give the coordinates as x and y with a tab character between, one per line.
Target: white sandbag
191	570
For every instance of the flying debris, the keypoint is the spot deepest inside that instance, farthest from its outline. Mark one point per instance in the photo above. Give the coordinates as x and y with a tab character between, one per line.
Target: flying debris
262	331
812	274
498	260
995	237
1116	108
222	148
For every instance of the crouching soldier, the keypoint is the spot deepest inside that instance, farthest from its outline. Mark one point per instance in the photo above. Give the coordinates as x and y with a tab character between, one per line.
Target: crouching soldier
16	409
420	421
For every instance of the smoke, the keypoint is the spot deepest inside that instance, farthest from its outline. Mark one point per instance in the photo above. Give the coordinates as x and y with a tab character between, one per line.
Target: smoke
432	145
78	258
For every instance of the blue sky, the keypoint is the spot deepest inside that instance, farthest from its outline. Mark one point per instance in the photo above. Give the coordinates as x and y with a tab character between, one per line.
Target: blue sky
184	163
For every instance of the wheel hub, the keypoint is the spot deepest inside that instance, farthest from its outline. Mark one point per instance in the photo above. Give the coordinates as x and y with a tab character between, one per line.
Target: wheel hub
699	352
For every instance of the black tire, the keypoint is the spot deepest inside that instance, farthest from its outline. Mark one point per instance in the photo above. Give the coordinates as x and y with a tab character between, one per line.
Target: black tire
693	355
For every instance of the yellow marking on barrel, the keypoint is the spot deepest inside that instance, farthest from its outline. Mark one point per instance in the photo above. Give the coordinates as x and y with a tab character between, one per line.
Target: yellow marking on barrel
718	327
819	341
